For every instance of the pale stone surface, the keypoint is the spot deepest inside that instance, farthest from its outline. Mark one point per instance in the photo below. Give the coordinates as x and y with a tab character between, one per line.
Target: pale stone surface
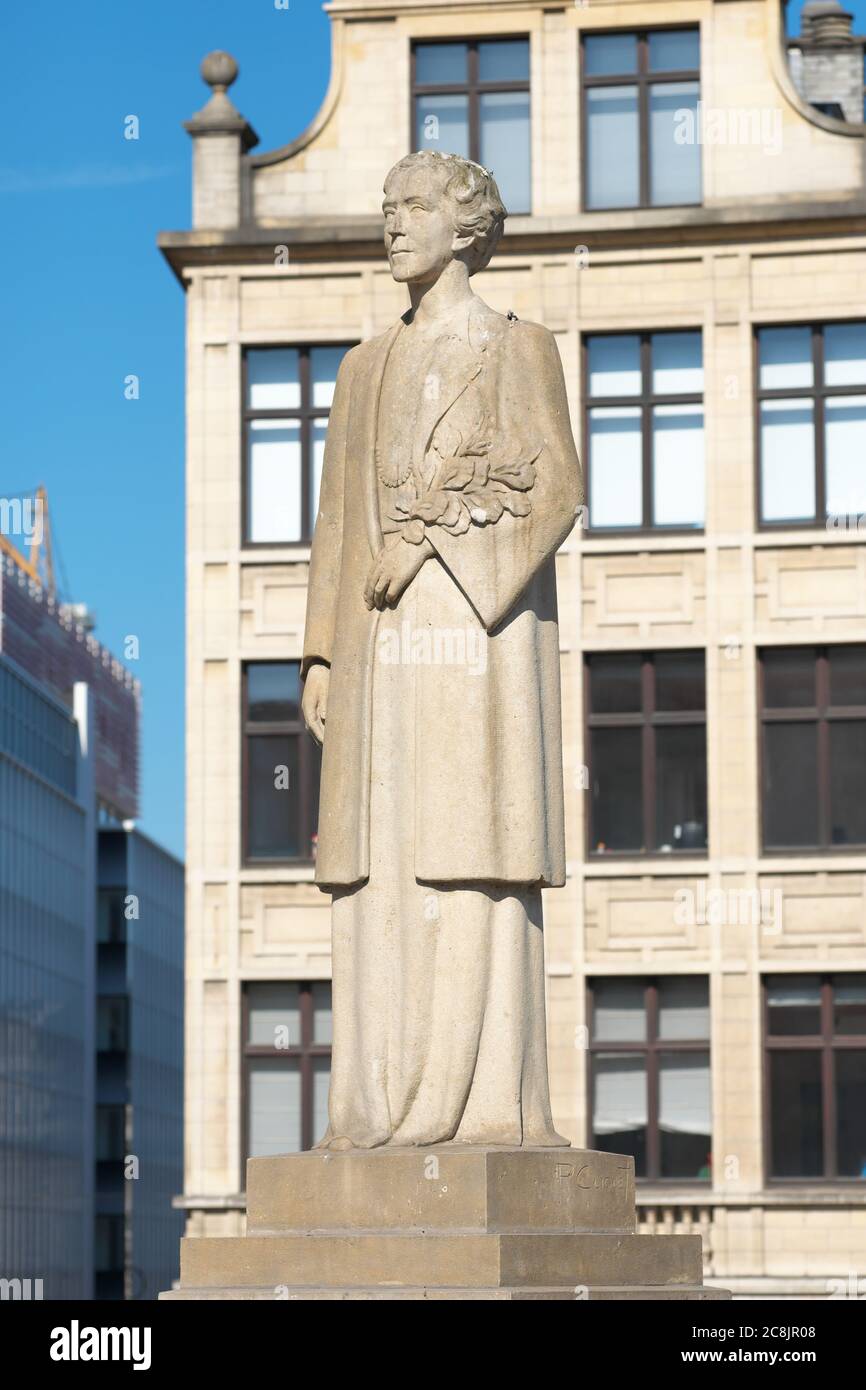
444	1223
440	1188
641	1293
450	479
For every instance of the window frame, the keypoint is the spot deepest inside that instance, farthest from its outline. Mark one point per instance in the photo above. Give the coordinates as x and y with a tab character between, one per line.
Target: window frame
472	89
306	766
305	1051
305	413
651	1048
817	393
642	78
646	400
820	715
639	719
827	1043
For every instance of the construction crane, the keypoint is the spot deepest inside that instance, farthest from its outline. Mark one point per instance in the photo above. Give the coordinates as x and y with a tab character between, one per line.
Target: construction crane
30	521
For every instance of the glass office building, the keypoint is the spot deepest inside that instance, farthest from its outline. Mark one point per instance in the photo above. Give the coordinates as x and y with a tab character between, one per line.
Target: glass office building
46	948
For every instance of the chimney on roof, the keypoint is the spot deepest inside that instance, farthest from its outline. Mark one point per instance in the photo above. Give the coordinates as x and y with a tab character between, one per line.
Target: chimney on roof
221	136
825	23
826	61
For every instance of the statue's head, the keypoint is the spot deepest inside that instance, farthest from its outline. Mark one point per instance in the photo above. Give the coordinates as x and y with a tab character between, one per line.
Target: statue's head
439	208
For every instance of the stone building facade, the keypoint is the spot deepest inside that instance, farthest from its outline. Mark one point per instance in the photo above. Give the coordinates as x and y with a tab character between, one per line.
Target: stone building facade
694	234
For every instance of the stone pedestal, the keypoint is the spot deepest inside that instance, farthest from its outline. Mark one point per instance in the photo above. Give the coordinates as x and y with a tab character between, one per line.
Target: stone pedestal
442	1223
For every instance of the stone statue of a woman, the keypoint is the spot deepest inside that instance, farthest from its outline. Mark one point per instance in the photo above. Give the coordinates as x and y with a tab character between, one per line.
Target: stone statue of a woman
431	665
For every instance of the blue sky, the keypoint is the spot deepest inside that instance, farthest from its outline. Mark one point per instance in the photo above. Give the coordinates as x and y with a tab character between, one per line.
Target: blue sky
88	300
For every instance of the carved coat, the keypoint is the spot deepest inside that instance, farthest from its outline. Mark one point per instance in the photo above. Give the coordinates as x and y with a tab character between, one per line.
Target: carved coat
500	480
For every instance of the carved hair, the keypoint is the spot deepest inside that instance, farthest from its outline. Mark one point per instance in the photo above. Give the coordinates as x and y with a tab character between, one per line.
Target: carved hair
480	210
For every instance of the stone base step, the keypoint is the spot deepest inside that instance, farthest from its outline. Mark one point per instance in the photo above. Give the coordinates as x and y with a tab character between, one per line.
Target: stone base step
635	1293
439	1260
452	1222
446	1187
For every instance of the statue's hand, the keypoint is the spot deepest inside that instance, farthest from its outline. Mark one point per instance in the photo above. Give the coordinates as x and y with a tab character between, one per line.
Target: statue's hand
314	701
393	571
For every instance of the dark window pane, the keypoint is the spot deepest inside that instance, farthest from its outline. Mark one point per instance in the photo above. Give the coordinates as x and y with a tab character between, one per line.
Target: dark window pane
606	55
789	678
790	785
847	675
619	1011
506	61
321	1084
794	1005
112	1024
617	820
273	692
620	1106
684	1114
272	809
797	1145
615	684
110	1132
274	1014
440	62
323	1030
315	781
111	917
108	1252
848	782
681	788
680	681
684	1008
851	1113
849	1000
674	50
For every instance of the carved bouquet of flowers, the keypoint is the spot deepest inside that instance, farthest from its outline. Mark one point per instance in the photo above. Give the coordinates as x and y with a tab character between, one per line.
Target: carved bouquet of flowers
468	485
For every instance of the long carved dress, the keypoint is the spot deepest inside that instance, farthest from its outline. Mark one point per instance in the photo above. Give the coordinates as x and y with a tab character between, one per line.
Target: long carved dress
438	989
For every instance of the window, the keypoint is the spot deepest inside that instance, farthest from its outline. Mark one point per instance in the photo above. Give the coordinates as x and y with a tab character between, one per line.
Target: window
813	717
112	1023
647	752
641	136
815	1029
287	1065
281	766
110	1133
287	398
111	916
108	1251
472	99
650	1063
644	430
811	423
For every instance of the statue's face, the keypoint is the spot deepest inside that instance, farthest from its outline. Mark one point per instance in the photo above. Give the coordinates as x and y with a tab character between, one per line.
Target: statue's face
420	233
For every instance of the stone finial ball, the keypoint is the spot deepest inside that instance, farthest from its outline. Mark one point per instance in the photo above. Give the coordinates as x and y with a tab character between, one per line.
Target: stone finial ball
219	69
